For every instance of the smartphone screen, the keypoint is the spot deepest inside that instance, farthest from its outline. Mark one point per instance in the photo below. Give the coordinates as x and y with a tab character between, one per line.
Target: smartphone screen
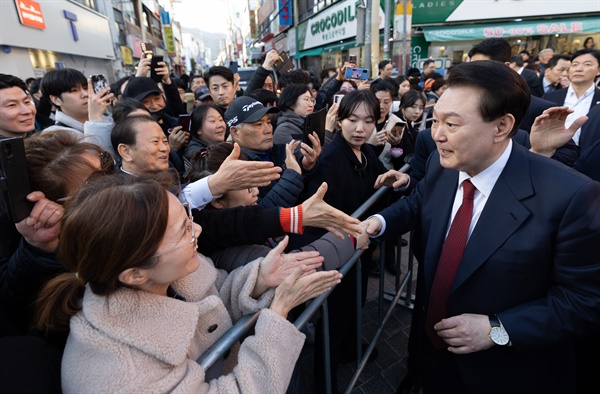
99	83
353	59
185	122
357	73
147	49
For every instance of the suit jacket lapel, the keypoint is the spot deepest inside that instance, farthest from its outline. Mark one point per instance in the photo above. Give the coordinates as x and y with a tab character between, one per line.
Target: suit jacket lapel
595	99
502	215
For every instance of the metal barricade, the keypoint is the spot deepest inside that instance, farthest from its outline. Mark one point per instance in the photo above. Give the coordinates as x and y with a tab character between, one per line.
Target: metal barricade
246	323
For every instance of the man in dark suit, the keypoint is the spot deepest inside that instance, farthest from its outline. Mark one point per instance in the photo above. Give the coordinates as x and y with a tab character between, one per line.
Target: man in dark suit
509	273
557	73
533	81
582	95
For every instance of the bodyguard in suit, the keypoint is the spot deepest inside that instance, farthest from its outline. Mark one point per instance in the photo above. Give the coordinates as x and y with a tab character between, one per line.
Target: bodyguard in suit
507	242
582	95
557	73
533	81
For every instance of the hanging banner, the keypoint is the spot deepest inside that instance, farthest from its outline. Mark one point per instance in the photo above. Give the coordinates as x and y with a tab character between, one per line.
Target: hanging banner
169	40
285	13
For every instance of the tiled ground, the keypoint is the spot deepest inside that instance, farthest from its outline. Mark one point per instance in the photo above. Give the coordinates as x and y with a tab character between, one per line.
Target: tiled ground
384	374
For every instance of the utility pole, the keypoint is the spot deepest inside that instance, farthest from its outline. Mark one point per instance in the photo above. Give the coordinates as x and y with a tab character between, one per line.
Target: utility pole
368	35
386	30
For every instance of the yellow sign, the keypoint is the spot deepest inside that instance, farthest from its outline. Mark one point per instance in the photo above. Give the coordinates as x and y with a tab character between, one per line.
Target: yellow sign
127	55
169	40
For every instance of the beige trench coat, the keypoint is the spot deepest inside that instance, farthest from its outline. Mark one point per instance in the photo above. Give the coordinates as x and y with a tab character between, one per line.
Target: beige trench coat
138	342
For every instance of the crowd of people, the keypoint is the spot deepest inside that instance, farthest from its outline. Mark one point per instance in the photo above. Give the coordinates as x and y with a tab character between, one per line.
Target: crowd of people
165	211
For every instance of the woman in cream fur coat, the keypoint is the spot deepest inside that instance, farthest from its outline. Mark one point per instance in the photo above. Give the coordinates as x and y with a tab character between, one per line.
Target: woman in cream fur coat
152	305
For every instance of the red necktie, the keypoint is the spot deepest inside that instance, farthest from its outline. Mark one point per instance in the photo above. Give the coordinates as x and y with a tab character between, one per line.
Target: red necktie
452	254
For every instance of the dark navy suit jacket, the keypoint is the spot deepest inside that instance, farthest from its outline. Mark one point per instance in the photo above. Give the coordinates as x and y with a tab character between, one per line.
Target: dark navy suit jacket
532	259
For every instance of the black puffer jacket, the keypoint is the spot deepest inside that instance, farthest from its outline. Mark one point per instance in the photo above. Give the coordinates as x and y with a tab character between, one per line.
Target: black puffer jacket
283	192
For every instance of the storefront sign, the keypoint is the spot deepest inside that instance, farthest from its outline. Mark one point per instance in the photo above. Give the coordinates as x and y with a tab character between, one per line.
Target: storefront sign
30	14
169	40
127	55
516	29
437	11
334	24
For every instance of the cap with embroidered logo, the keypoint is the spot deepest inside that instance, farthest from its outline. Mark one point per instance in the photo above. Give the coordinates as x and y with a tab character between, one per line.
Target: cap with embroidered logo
246	110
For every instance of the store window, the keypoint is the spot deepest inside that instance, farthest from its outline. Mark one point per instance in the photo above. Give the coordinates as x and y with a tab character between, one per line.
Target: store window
88	3
307	8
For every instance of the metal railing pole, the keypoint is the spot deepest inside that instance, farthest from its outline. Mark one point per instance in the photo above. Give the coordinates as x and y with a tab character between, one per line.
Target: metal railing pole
227	340
378	333
326	347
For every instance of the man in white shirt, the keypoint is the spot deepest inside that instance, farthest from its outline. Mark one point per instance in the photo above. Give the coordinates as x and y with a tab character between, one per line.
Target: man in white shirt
582	95
509	273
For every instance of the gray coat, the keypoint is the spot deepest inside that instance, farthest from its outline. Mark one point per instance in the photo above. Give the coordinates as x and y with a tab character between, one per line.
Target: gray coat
135	341
289	124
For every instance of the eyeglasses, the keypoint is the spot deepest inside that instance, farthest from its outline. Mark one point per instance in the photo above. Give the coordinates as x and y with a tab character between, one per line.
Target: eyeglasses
188	228
309	100
347	89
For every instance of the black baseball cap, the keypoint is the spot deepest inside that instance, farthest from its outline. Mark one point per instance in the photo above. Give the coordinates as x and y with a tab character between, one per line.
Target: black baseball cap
201	93
246	110
140	87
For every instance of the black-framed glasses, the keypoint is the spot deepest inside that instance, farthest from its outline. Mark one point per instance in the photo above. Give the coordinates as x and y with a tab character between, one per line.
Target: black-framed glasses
189	228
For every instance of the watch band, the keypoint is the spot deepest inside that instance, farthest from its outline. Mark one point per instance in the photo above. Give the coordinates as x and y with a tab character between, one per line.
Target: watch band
494	321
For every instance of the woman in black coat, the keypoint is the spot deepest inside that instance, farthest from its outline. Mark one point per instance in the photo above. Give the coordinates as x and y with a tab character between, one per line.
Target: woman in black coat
350	167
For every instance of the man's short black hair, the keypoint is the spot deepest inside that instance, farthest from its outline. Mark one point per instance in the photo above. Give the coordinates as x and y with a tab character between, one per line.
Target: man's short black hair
585	51
126	106
382	64
517	59
10	81
115	88
438	83
382	86
125	133
503	90
294	77
554	60
495	48
217	70
524	52
427	62
325	72
57	82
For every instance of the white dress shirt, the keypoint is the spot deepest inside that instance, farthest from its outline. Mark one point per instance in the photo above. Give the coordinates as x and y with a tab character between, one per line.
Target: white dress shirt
580	107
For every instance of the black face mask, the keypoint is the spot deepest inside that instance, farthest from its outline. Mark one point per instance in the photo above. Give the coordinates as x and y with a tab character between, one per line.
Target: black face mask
157	116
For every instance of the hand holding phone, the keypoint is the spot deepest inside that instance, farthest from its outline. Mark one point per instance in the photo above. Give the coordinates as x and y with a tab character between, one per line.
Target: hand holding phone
337	98
178	138
153	66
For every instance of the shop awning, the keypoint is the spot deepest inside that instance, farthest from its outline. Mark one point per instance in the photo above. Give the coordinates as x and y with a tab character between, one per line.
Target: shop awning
512	29
310	52
340	47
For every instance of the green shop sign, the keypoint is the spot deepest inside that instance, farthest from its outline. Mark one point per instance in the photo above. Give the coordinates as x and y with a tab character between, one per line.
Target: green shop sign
332	25
515	29
433	11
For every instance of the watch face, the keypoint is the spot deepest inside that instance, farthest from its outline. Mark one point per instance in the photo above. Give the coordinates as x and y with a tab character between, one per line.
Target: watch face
499	336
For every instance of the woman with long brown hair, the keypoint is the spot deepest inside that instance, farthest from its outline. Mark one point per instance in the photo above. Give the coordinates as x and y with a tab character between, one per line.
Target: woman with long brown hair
143	305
